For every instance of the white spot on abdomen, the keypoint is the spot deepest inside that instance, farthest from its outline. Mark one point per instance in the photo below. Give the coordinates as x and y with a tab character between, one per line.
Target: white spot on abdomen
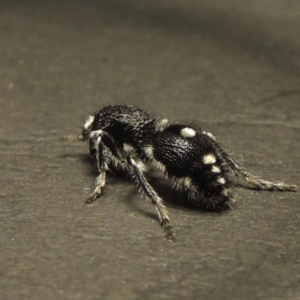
209	159
225	192
221	180
215	169
188	132
209	134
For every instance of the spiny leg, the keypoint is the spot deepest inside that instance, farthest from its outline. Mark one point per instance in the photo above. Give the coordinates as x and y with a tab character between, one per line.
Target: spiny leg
150	192
253	180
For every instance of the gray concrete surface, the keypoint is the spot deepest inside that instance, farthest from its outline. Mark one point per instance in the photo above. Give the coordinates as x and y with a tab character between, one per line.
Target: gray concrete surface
231	66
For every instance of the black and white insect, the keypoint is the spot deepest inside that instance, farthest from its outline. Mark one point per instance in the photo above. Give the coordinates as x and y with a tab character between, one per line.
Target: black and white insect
124	136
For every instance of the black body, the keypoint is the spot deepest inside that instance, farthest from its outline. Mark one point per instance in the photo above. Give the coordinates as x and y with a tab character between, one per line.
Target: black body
125	124
125	136
182	157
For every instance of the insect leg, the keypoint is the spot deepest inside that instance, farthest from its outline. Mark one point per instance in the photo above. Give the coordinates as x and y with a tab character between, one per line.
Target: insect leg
137	174
98	149
258	183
